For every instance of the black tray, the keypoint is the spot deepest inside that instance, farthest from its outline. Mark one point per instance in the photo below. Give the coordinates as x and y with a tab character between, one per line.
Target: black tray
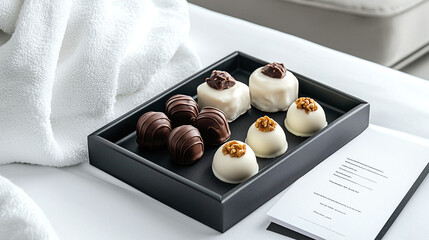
194	190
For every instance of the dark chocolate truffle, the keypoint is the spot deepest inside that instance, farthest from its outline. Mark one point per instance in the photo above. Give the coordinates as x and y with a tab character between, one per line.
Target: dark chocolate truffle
213	126
185	144
220	80
153	129
182	110
274	70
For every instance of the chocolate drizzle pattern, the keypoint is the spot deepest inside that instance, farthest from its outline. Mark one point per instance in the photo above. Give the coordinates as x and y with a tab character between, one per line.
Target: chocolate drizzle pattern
153	129
220	80
182	110
213	126
274	70
185	144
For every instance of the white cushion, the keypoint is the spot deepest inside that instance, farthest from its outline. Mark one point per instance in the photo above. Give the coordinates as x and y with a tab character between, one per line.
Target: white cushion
389	32
363	7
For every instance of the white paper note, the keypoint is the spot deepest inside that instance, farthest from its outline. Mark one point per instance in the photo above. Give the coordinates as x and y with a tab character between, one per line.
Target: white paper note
353	193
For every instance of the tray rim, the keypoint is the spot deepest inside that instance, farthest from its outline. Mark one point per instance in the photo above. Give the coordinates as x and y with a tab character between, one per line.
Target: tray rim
229	194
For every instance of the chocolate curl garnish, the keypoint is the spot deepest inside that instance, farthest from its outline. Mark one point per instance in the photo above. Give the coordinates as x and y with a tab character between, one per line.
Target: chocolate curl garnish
220	80
274	70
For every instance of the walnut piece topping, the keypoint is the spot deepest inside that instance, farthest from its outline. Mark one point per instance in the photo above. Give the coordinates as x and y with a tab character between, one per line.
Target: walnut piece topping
308	104
234	149
265	124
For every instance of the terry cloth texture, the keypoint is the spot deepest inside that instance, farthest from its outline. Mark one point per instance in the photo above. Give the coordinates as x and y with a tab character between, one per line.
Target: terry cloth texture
68	67
20	217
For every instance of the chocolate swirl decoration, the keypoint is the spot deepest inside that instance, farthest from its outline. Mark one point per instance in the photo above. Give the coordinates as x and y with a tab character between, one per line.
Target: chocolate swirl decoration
274	70
185	144
153	129
213	126
182	110
220	80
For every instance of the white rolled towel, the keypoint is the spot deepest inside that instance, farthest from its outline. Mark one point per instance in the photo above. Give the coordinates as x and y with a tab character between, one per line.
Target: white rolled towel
67	67
20	217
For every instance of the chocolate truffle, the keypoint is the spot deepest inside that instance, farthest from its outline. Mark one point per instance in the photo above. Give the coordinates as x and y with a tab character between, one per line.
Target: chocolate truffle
305	117
234	162
266	138
153	129
182	110
273	88
185	144
213	126
222	91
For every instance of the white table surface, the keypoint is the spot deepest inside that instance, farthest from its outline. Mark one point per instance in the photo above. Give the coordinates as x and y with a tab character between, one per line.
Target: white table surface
83	202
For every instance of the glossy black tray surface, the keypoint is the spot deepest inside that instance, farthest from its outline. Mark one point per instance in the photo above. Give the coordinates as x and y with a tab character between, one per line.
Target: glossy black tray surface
194	190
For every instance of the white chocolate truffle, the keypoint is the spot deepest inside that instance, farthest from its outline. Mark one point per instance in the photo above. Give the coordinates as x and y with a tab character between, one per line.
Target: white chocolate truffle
272	94
233	101
266	138
234	166
305	117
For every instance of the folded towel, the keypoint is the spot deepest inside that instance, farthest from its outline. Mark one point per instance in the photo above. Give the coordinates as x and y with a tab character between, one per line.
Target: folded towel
68	67
20	217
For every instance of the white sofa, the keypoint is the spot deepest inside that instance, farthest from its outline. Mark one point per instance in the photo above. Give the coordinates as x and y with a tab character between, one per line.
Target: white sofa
389	32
